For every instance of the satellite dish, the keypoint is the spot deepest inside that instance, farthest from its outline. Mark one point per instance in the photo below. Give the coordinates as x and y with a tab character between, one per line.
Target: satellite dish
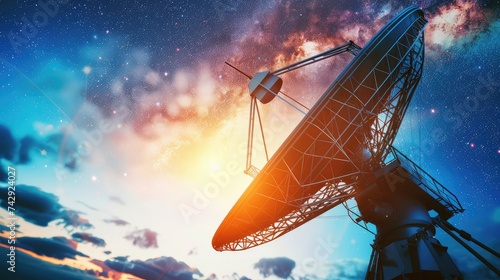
342	150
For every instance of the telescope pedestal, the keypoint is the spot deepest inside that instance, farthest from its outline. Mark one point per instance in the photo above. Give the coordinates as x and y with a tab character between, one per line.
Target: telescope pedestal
418	257
404	246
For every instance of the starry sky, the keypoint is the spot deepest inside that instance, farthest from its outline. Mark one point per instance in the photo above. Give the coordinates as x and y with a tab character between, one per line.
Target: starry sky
128	132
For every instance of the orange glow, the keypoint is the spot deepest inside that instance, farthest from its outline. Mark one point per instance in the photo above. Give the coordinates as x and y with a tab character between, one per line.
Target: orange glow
80	263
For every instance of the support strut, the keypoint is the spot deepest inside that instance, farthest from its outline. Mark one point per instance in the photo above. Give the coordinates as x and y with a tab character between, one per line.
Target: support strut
449	228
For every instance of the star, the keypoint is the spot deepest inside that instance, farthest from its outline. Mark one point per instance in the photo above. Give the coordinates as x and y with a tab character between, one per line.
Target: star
86	70
433	110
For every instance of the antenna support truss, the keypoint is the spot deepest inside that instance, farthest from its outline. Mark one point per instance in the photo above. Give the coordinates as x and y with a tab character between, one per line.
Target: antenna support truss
266	85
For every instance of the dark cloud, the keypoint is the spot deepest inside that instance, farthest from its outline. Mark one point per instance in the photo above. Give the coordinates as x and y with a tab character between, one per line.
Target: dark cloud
118	222
84	237
67	148
7	150
9	146
281	267
71	220
27	143
7	143
56	247
3	174
70	150
33	204
144	238
29	267
166	268
88	206
41	208
5	227
121	258
116	199
106	270
61	144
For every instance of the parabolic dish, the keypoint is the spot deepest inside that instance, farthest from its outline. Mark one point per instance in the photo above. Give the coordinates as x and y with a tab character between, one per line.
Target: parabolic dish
318	165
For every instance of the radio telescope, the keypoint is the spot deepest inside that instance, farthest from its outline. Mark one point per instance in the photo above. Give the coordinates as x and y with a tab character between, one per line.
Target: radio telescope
341	153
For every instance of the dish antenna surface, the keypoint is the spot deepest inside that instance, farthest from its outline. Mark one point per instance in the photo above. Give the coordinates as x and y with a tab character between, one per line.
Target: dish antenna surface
342	151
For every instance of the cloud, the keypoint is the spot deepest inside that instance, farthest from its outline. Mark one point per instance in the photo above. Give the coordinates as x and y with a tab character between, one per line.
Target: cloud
7	149
84	237
41	208
118	222
4	176
32	268
88	206
7	143
62	144
56	247
66	144
71	220
121	258
6	228
106	270
12	149
27	143
143	238
166	268
281	267
116	199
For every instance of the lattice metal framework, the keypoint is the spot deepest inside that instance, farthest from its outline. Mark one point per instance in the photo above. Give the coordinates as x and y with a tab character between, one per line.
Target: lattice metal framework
320	163
384	130
448	202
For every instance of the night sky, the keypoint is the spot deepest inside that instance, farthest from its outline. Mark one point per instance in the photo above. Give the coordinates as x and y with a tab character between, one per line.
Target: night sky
117	116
